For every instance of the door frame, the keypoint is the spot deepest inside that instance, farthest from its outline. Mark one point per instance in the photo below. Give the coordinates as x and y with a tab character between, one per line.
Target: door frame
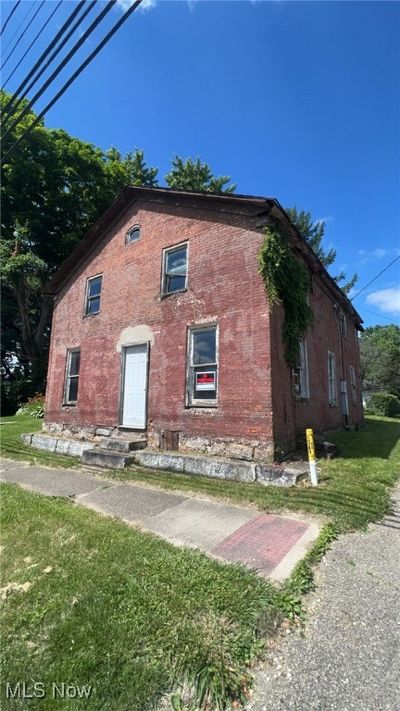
122	386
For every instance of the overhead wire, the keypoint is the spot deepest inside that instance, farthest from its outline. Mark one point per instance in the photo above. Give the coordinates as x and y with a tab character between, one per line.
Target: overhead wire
61	66
22	34
375	278
18	95
78	71
9	17
386	318
18	28
33	42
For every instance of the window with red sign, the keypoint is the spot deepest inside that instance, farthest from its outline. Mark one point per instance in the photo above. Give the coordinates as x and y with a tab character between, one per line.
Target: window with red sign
203	366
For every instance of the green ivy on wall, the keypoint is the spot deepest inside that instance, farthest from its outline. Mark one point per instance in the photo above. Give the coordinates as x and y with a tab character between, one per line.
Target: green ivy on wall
286	281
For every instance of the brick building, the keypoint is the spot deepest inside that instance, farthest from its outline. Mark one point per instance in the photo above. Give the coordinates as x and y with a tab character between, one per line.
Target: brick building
161	325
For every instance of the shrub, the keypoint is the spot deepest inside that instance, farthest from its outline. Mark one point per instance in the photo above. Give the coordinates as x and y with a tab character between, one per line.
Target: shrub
33	407
384	404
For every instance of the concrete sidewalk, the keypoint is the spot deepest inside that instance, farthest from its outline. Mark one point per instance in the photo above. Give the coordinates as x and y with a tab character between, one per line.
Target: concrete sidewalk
269	543
347	657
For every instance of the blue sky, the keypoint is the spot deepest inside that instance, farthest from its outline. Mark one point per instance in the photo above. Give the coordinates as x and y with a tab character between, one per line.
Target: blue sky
295	100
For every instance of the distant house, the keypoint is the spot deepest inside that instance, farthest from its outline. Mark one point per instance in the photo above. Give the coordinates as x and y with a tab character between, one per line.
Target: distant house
161	325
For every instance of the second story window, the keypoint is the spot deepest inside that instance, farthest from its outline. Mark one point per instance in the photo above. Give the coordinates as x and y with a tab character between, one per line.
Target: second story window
93	293
174	269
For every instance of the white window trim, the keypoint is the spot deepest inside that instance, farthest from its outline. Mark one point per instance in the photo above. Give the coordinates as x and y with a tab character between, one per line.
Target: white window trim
304	382
191	401
166	250
332	391
86	304
68	377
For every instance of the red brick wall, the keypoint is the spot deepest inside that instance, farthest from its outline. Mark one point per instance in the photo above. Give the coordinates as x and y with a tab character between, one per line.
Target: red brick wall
293	415
223	287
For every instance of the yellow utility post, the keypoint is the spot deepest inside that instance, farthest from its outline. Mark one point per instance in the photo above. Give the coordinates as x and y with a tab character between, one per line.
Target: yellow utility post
311	457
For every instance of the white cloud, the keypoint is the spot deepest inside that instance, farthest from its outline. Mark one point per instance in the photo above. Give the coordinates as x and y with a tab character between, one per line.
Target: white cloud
388	300
373	254
145	5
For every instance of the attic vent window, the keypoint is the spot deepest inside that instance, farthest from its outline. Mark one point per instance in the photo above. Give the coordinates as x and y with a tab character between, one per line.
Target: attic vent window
133	235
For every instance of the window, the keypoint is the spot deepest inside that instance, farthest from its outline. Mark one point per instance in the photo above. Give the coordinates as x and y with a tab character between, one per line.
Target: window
72	377
300	373
353	384
202	376
133	235
332	385
93	292
174	269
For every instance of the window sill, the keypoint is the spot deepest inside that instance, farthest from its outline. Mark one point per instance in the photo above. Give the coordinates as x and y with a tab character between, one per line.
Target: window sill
204	404
172	293
69	404
95	313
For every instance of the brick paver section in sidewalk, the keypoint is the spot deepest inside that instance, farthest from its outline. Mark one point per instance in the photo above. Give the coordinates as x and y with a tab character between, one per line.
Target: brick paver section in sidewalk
270	544
261	543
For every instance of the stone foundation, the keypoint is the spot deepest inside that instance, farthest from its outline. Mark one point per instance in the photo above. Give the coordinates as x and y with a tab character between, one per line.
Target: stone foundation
231	448
86	433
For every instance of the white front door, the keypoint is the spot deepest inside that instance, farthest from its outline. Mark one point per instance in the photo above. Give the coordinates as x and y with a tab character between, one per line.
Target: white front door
135	387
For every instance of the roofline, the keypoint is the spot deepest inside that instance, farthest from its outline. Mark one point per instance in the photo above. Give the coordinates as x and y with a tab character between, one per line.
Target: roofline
322	270
261	205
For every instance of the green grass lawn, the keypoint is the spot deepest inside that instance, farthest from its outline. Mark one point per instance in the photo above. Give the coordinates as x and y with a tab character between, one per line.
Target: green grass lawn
90	601
354	488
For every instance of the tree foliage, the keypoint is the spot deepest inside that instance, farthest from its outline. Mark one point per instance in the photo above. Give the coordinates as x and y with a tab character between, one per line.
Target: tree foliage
54	187
380	359
197	176
314	233
286	281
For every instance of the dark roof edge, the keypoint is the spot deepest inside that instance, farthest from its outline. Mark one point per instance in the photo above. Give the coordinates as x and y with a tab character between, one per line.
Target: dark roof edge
115	211
322	270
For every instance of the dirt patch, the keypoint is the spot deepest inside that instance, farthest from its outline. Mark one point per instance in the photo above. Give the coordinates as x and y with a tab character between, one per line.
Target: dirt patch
14	587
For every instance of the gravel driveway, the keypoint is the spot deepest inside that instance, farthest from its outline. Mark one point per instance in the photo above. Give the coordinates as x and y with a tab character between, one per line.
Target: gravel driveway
348	655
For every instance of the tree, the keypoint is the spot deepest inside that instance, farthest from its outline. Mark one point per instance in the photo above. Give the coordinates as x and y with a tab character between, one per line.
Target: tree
197	176
314	233
380	358
54	187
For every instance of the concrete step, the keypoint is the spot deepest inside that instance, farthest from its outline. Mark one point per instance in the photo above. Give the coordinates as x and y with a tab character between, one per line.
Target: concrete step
102	458
115	444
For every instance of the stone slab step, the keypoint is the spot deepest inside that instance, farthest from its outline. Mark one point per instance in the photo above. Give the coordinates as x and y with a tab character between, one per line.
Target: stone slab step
102	458
265	474
115	444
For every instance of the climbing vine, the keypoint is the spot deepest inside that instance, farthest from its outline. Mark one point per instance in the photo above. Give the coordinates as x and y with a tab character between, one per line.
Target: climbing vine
286	281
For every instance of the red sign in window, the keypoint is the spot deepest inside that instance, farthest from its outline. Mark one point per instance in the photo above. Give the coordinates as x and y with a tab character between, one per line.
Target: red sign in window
205	381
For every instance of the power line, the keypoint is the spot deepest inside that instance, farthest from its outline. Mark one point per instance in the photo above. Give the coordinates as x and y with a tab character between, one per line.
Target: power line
391	320
8	107
10	41
61	66
33	42
23	33
9	17
375	278
80	69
